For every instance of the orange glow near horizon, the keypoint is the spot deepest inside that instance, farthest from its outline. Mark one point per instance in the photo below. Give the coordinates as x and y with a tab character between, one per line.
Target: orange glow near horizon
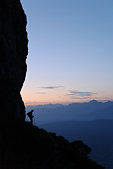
61	95
56	98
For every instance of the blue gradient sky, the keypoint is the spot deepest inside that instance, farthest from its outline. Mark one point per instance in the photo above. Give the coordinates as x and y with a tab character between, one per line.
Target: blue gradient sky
70	51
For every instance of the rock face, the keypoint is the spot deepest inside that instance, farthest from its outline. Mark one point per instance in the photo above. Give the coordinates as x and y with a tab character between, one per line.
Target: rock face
13	52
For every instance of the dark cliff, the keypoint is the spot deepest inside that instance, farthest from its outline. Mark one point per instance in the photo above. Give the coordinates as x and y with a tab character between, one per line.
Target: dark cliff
13	52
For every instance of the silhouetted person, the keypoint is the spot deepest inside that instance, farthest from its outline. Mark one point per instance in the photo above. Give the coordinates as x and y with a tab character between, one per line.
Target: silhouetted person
30	115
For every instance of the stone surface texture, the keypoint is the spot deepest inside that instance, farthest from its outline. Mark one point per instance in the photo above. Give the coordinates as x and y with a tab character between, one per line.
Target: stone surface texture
13	53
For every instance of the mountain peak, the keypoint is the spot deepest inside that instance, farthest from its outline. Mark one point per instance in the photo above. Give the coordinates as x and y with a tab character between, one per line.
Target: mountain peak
94	101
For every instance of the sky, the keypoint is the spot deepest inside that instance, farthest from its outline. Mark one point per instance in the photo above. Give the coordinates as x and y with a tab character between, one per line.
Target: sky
70	51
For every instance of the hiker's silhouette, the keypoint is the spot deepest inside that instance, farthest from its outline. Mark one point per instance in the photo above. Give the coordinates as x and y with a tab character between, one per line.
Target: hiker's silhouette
30	115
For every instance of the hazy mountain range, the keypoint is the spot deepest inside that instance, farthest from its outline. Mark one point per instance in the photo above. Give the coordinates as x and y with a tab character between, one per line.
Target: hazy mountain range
76	111
90	122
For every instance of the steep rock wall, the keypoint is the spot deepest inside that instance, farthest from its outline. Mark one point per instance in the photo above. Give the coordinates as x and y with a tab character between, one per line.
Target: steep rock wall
13	52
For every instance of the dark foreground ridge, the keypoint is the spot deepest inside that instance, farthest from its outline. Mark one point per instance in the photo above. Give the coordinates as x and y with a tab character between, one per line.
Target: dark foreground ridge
28	147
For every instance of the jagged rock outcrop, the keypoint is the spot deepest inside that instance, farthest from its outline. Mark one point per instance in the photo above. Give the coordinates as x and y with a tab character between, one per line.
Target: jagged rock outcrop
13	52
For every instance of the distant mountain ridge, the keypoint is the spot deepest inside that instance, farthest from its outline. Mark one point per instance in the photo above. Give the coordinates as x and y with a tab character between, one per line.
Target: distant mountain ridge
51	106
91	122
76	111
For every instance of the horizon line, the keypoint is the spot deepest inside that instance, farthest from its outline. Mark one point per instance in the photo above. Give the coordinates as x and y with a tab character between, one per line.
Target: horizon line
63	103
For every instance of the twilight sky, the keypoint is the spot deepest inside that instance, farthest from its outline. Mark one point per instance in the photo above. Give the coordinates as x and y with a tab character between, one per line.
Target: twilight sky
70	51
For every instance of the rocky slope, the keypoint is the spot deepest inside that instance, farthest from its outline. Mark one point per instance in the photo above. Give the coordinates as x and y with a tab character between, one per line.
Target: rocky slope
28	147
